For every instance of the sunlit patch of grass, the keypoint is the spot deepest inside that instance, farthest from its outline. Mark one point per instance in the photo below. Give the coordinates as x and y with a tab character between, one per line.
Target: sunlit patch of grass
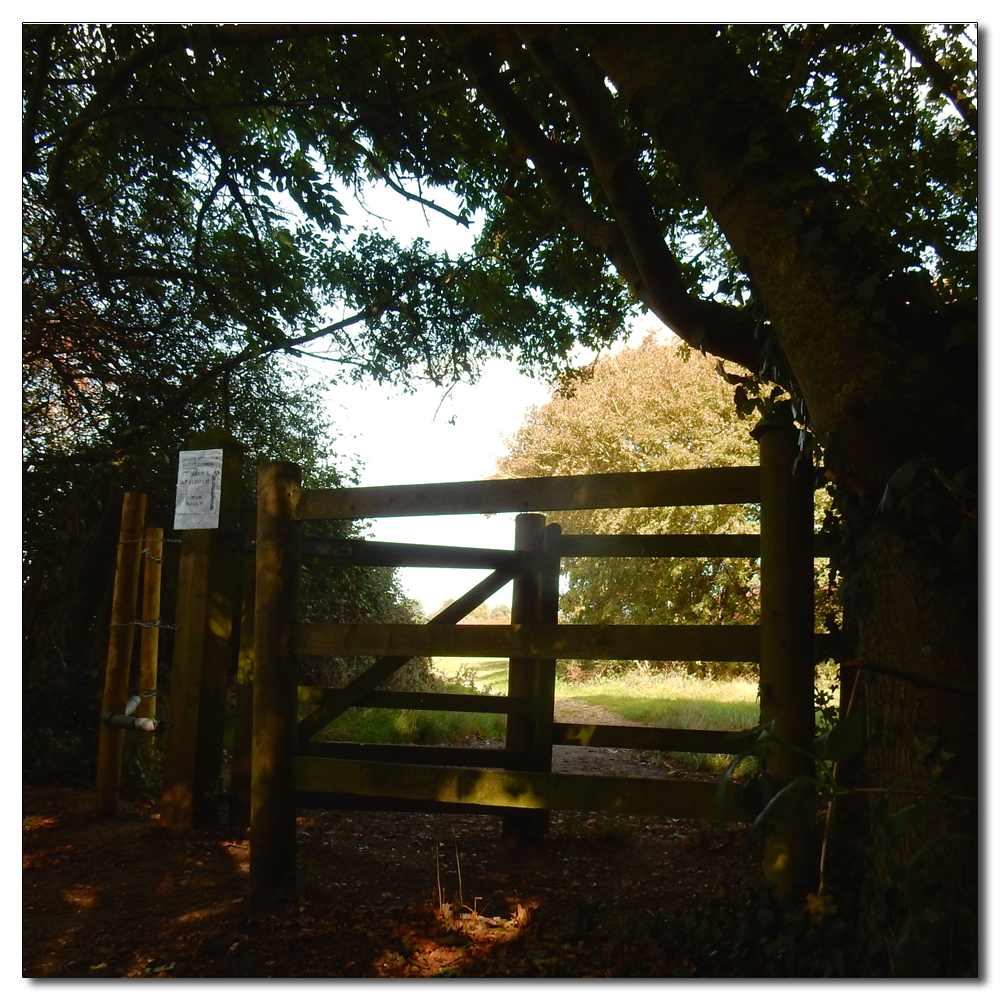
484	676
386	725
650	698
674	701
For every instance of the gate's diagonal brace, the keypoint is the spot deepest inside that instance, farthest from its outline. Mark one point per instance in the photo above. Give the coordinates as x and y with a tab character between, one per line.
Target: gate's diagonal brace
362	552
337	702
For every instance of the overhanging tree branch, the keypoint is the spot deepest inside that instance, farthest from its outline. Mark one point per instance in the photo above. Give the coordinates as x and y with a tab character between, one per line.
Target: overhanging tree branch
800	69
494	91
631	243
251	353
912	37
383	175
709	326
33	101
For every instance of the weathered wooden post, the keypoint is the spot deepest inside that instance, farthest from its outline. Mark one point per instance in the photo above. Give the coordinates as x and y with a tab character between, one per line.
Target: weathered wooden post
786	653
208	578
548	615
111	740
526	728
239	780
275	682
149	640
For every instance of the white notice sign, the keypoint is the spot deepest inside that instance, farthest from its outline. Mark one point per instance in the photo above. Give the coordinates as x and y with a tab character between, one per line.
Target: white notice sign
199	489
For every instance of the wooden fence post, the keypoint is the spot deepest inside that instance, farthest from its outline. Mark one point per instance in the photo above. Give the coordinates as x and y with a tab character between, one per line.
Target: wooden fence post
203	655
111	740
525	680
275	681
786	653
548	615
239	781
149	640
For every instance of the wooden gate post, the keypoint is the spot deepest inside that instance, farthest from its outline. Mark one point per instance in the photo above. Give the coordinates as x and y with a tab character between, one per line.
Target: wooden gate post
149	641
208	579
548	615
275	681
111	740
786	653
239	780
527	678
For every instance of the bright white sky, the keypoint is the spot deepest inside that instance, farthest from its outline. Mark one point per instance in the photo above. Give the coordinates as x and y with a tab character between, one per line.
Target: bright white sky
427	437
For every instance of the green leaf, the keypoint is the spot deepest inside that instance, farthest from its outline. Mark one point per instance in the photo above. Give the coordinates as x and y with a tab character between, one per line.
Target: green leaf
904	475
783	798
843	741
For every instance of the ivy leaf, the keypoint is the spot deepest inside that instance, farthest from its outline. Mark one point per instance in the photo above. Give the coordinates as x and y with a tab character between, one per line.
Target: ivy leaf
784	797
841	742
901	478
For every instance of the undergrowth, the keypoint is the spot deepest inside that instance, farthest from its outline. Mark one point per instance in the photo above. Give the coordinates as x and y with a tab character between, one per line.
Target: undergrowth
383	725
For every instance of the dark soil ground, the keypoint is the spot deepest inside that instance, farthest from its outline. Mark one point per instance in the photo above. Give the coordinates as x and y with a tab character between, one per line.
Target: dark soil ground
127	898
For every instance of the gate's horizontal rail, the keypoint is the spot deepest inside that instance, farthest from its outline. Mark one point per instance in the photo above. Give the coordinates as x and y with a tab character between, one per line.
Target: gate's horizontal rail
361	552
382	803
711	643
422	701
518	789
659	546
404	753
673	488
642	738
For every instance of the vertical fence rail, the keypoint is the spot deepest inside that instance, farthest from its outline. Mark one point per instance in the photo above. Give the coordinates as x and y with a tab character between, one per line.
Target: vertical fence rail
548	615
523	679
127	562
149	640
239	779
786	653
272	796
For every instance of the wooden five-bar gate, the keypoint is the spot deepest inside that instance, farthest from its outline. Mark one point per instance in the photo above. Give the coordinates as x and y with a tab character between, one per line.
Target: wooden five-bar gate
292	769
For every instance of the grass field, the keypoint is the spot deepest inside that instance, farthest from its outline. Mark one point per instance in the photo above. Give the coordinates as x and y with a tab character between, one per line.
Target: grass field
673	701
666	701
379	725
487	676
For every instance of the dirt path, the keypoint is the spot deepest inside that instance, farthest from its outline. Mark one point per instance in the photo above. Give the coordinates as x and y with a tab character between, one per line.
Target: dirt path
598	760
126	898
580	710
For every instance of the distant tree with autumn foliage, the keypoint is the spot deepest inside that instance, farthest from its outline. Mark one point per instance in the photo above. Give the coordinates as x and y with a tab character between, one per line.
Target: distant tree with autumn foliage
654	407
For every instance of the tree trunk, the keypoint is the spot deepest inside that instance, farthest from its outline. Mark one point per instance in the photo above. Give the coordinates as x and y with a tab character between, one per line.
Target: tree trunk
881	392
922	744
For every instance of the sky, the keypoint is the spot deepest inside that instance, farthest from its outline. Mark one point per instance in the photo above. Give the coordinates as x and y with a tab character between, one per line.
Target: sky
429	436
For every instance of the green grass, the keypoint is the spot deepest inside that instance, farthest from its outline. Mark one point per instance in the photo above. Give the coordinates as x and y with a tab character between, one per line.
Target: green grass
674	701
385	725
485	676
671	701
667	701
